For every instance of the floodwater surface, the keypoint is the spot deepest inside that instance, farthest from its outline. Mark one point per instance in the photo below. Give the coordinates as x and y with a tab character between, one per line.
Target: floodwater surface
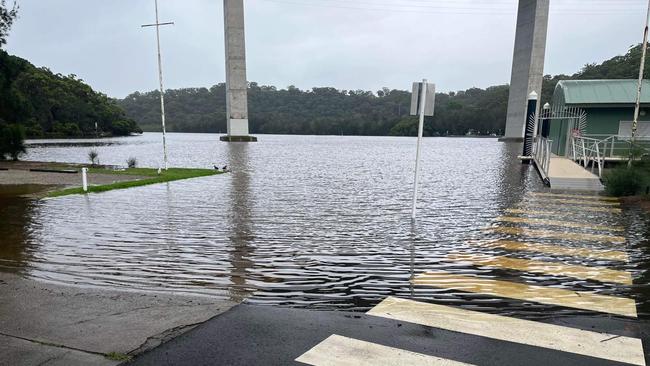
324	222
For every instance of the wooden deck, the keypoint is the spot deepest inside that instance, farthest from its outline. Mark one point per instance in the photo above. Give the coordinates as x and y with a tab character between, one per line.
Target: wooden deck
565	174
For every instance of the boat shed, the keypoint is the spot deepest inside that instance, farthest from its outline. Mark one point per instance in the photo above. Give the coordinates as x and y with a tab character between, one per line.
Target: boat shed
609	109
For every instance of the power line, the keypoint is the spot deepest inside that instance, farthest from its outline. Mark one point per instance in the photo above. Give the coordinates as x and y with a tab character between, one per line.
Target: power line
603	7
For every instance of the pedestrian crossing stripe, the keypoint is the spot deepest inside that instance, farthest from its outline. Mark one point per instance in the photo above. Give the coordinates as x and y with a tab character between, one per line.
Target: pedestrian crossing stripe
337	350
532	293
550	268
580	202
568	224
574	196
556	234
563	213
587	343
612	255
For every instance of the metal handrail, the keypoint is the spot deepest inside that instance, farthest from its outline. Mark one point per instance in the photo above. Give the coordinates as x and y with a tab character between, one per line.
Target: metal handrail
590	151
615	146
542	155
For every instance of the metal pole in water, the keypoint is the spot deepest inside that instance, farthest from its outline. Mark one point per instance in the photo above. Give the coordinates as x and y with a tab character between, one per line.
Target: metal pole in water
637	106
84	179
160	79
423	93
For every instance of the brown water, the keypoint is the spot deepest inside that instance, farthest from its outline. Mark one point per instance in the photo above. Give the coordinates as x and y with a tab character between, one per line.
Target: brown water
304	221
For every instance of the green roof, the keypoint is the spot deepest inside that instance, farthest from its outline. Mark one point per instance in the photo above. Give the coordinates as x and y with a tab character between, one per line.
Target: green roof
614	91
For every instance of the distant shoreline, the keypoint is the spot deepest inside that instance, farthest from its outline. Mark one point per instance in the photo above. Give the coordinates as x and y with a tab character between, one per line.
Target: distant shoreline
283	134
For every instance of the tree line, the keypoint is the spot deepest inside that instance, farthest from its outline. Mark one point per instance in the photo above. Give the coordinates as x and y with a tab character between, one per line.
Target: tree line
55	105
329	111
45	104
320	111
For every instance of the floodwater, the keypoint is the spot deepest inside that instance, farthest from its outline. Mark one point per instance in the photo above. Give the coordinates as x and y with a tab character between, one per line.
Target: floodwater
312	221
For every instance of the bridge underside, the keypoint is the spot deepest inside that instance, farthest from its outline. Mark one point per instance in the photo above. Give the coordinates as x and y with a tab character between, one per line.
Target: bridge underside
527	63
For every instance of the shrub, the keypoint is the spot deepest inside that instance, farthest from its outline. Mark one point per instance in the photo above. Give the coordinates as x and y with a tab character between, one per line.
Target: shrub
92	156
132	162
125	128
66	129
12	141
624	181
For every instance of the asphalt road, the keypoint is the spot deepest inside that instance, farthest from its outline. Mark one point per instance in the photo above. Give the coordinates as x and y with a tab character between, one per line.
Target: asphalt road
264	335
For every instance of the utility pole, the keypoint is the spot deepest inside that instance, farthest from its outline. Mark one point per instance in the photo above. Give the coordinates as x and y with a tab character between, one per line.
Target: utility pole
637	106
160	79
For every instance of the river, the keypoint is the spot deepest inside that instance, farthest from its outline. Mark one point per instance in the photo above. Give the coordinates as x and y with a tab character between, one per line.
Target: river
303	221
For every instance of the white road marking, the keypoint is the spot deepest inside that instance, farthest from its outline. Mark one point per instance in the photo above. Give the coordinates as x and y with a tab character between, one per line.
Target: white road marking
582	342
520	291
337	350
552	268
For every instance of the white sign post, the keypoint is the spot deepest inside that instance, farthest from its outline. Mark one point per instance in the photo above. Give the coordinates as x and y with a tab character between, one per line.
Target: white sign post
84	179
422	103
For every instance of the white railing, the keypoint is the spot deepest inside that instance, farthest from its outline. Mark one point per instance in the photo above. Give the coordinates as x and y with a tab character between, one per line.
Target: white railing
588	151
592	152
614	147
542	155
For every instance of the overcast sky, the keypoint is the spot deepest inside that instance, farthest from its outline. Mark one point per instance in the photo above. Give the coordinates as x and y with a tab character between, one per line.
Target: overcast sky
347	44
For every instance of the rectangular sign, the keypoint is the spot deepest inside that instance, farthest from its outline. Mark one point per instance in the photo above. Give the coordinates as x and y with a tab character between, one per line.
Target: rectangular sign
429	99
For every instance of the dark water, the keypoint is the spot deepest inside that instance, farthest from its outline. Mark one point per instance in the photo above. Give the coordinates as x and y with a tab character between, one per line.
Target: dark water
300	221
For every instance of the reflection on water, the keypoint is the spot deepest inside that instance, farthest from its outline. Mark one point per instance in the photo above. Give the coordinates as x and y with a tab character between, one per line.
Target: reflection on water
15	223
239	219
313	221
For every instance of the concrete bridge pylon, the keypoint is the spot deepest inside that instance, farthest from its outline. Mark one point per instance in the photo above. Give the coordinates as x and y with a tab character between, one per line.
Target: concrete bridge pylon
236	83
527	63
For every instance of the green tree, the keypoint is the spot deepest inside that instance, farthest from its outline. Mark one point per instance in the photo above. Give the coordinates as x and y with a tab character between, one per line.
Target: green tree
12	141
54	105
7	18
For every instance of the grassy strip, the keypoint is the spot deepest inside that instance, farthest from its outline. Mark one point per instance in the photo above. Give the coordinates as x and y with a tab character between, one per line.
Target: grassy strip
117	356
165	176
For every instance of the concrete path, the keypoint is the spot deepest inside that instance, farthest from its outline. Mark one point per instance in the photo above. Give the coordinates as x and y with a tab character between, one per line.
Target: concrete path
47	324
566	174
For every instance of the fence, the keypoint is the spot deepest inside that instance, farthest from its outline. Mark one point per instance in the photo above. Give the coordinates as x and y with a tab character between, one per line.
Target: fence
592	151
542	156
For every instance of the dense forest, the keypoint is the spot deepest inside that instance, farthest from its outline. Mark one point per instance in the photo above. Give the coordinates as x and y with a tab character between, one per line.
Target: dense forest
321	111
46	104
54	105
351	112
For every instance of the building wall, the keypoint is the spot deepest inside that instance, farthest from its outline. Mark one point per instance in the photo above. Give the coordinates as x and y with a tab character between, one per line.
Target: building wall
602	122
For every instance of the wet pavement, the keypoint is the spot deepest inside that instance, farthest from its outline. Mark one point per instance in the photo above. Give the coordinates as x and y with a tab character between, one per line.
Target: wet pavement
262	335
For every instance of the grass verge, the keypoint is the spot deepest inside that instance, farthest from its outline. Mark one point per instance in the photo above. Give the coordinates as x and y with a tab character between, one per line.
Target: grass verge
117	356
165	176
